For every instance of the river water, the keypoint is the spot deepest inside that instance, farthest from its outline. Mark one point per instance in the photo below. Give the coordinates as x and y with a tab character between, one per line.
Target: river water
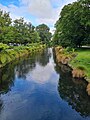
37	88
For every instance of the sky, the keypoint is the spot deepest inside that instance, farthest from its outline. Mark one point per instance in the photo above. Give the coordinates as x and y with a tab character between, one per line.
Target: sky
35	11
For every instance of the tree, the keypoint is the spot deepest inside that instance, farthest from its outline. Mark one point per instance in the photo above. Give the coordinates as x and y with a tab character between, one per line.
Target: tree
20	30
5	27
44	33
17	31
73	26
24	32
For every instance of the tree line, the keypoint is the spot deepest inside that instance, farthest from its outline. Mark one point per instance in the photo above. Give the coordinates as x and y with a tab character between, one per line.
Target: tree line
73	26
20	32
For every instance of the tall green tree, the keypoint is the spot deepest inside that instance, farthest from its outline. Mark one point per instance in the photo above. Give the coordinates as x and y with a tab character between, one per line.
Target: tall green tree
44	33
17	31
25	32
5	27
73	26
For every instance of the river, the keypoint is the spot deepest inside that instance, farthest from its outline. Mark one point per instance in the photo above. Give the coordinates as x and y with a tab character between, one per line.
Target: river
37	88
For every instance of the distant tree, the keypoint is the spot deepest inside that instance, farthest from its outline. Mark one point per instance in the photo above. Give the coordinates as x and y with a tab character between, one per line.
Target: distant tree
44	33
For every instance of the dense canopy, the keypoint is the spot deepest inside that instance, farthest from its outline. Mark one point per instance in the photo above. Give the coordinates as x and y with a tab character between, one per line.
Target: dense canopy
73	26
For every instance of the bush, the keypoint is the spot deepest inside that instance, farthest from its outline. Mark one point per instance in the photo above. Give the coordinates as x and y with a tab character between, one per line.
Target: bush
3	46
8	55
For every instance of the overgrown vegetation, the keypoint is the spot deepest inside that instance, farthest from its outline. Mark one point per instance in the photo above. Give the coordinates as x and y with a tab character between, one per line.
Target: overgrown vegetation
9	54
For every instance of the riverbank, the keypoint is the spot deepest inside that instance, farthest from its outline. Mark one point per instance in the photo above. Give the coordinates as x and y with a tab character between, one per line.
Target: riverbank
78	60
10	53
82	59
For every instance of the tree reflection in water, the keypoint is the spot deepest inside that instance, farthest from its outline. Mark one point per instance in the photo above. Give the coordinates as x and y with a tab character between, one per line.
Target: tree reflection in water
73	90
1	104
20	68
43	58
6	78
28	65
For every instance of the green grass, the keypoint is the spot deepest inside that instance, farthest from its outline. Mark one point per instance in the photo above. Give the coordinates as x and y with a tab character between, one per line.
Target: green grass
82	59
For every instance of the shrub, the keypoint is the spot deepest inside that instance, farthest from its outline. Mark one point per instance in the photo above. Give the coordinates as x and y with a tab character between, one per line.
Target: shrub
3	46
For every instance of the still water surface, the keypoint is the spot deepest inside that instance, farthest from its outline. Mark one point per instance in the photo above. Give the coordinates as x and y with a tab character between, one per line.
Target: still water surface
36	88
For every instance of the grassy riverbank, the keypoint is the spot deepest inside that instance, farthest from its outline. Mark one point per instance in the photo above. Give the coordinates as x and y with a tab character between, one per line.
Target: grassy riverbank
78	60
10	53
83	60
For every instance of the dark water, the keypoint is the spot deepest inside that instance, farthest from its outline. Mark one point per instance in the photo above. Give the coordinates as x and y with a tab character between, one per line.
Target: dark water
36	88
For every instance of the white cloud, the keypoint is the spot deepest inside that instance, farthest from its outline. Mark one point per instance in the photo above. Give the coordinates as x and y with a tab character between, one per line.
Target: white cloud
40	74
15	12
3	7
69	1
51	19
41	8
44	11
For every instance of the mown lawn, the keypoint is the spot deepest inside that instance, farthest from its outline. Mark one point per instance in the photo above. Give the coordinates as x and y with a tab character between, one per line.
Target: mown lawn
83	59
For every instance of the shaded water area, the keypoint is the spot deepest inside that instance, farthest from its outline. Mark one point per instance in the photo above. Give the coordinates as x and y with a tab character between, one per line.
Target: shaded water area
36	88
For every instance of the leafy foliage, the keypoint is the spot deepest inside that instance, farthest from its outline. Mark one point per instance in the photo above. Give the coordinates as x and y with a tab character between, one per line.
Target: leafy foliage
8	55
73	26
3	58
3	46
21	32
44	33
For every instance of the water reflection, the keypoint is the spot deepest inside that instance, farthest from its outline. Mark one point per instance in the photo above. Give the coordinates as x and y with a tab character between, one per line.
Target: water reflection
73	90
6	78
43	59
33	84
29	91
34	66
21	68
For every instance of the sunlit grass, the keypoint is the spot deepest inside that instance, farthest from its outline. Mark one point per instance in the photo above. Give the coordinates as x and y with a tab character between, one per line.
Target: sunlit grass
82	59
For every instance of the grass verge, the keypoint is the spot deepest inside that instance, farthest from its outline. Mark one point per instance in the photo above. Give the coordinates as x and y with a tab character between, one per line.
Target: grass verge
83	60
